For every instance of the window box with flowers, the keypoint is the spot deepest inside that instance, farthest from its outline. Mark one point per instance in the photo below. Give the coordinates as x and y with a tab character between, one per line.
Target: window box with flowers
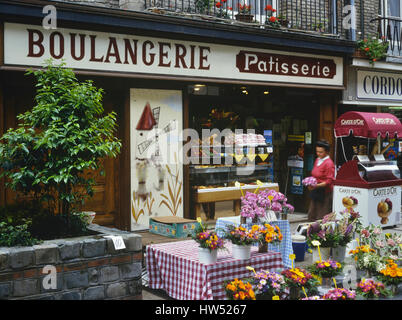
373	49
244	14
271	20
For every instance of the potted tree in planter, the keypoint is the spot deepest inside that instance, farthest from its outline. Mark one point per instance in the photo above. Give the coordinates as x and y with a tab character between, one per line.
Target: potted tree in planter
49	154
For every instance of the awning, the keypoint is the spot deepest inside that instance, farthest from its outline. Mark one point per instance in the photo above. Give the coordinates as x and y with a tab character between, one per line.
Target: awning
368	125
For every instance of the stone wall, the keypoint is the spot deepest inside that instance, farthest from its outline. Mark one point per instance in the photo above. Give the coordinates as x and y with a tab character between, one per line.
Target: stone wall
88	268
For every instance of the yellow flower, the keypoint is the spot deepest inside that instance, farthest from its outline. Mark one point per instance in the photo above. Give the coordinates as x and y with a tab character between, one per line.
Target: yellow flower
255	228
275	298
326	264
292	256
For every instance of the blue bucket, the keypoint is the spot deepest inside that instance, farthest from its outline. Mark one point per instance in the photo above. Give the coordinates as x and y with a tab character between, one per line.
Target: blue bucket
299	247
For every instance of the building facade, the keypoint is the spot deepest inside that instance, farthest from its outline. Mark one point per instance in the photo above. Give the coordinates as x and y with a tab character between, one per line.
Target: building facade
194	65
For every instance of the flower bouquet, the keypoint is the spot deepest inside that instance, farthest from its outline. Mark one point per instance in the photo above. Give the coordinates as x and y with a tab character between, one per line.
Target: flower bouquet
370	289
277	203
366	258
326	269
391	275
254	205
267	234
309	181
209	243
297	278
239	290
340	294
269	284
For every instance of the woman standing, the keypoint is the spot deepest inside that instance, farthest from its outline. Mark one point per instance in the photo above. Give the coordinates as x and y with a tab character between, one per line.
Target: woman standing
324	172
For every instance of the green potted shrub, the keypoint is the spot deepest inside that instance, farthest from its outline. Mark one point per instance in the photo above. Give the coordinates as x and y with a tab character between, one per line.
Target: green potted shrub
373	48
51	153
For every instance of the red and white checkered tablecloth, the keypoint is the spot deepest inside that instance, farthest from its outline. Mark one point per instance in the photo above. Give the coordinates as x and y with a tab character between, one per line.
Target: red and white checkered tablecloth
175	268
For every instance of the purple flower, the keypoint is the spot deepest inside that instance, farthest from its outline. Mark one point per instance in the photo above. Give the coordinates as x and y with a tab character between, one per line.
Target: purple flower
276	206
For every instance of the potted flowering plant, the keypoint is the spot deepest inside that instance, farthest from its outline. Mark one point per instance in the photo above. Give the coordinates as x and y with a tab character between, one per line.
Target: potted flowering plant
239	290
244	14
326	270
296	278
309	181
373	48
340	294
370	289
277	203
270	19
391	275
267	234
209	243
367	259
269	284
242	239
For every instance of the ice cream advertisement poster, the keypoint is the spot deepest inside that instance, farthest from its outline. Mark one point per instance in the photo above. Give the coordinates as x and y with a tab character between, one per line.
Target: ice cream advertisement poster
378	206
156	170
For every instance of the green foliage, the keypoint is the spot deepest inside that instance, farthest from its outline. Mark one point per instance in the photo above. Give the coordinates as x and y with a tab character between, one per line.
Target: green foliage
63	135
374	48
11	236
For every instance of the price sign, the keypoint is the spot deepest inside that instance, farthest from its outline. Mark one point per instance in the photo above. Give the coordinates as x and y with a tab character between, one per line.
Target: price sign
118	242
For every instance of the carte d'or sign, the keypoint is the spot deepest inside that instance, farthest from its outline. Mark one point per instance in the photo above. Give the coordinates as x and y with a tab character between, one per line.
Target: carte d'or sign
31	45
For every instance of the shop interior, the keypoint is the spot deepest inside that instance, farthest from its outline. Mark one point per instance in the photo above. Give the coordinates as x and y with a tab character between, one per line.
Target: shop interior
286	118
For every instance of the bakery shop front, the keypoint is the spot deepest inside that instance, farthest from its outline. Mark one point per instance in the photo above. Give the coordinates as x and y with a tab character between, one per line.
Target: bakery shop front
199	120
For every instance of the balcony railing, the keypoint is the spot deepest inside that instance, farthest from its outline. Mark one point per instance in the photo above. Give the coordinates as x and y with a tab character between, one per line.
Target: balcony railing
390	30
317	16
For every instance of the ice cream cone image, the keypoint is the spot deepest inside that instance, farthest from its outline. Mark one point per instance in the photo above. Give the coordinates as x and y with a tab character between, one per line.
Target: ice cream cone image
384	209
350	202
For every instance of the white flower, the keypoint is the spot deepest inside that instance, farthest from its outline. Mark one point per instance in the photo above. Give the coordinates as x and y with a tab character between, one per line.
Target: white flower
315	243
263	282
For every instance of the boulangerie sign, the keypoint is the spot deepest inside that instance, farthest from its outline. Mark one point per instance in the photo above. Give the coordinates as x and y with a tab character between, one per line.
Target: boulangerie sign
31	45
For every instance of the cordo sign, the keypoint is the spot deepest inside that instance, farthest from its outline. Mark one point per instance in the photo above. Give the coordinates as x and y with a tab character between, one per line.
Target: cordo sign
380	86
30	45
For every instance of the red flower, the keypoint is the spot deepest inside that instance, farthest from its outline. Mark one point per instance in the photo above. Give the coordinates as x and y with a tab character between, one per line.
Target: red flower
224	1
366	49
218	4
272	19
268	7
374	60
230	8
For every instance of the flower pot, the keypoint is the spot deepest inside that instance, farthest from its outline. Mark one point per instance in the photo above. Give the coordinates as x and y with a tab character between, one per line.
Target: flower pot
360	54
263	247
206	256
244	17
241	252
270	216
338	254
325	253
326	283
89	216
395	289
294	293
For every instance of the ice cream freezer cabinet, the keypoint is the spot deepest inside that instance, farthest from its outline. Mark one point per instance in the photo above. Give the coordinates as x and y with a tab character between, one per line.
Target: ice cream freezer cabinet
372	188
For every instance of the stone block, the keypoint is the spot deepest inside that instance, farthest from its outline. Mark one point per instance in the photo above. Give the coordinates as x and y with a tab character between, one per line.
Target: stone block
21	257
93	248
5	290
109	274
135	287
26	287
131	270
69	295
93	276
4	258
115	290
70	250
76	279
46	254
94	293
48	284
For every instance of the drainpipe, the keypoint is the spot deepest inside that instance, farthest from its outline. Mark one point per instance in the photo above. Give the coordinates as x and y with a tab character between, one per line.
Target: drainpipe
349	19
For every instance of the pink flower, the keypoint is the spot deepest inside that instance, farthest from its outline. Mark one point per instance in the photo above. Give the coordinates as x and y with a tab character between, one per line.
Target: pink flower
366	233
379	244
391	242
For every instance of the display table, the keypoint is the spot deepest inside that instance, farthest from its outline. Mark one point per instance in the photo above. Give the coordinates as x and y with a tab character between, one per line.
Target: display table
212	195
284	247
174	267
